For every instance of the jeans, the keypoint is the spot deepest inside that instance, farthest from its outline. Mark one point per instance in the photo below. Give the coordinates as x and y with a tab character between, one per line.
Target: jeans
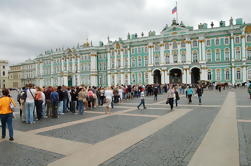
65	106
54	109
199	99
81	107
6	118
29	110
170	100
60	107
142	101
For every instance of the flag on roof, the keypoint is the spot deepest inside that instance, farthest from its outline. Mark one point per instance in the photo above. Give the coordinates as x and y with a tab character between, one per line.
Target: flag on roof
174	10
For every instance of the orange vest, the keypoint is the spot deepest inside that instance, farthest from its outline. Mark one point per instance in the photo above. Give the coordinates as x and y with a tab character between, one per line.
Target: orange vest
5	105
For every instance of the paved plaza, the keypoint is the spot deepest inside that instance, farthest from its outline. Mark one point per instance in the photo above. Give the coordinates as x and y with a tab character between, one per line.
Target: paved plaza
216	133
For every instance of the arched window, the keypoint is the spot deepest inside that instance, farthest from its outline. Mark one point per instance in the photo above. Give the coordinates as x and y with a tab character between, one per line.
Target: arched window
209	75
195	56
238	74
217	55
249	38
227	54
237	53
209	56
227	74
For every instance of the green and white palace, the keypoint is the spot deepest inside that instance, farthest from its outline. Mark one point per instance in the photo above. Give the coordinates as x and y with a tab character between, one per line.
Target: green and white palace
178	54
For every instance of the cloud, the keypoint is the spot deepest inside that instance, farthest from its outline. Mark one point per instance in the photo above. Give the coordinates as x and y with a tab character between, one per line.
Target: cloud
29	28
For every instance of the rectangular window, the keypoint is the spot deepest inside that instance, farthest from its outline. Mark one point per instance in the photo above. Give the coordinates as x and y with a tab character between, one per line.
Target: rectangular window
139	50
238	75
238	53
237	40
218	75
226	41
183	57
139	61
132	50
167	58
133	62
156	59
208	43
218	55
175	58
227	75
146	60
209	76
249	54
195	43
217	42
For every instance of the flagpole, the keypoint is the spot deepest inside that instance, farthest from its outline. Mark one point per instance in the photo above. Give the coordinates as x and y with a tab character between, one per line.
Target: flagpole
177	13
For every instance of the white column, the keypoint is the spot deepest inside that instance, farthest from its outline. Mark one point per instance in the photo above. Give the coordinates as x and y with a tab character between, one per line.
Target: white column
94	80
122	59
41	68
171	56
203	51
128	60
200	51
244	74
162	77
123	78
166	77
62	65
162	59
52	67
243	45
150	78
184	76
233	75
78	79
188	51
37	71
188	77
73	63
65	80
179	55
109	79
232	46
150	54
109	62
78	64
74	80
115	59
94	63
67	64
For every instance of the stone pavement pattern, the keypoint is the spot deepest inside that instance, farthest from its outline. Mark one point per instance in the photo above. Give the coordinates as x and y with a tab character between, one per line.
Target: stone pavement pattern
155	136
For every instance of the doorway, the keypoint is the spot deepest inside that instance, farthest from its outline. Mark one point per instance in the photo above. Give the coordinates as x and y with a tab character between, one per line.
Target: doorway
157	77
195	75
175	76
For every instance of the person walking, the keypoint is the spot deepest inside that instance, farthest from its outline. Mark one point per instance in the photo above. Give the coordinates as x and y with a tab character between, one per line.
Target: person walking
177	97
108	100
6	114
73	102
30	104
249	90
81	99
189	94
199	93
48	101
155	92
170	96
142	99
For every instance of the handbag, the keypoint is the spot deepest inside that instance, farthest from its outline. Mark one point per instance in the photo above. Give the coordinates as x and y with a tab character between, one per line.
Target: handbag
167	101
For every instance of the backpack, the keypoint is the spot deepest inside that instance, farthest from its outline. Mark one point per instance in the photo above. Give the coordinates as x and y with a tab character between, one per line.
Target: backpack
22	95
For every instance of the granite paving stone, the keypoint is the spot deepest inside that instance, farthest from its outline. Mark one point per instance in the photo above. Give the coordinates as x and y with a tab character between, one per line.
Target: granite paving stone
173	145
98	130
12	154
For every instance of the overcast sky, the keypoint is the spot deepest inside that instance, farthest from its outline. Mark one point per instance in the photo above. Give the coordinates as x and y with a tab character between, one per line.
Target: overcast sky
28	28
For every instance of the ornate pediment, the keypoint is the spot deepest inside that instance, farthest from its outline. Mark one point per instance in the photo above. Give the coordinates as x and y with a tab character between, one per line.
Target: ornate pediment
175	29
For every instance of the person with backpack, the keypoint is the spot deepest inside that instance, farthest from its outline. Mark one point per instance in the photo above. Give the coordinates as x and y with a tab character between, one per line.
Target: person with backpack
54	97
6	113
30	104
189	94
199	92
21	98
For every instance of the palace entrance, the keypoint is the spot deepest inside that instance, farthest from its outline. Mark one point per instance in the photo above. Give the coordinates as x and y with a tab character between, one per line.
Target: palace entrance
175	76
157	76
195	75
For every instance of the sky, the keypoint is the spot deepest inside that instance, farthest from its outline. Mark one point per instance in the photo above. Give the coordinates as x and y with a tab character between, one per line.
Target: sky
28	28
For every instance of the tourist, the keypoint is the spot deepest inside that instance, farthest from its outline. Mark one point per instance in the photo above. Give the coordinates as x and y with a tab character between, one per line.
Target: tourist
199	92
73	101
54	97
102	96
170	96
189	94
39	102
155	92
6	113
61	98
108	100
249	90
177	97
142	99
30	104
65	99
21	98
90	98
48	101
81	99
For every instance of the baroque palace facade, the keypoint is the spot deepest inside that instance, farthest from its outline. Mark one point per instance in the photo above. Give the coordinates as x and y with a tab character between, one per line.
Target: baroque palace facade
179	54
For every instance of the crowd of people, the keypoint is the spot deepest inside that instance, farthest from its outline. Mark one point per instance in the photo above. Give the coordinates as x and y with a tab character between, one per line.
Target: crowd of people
51	102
